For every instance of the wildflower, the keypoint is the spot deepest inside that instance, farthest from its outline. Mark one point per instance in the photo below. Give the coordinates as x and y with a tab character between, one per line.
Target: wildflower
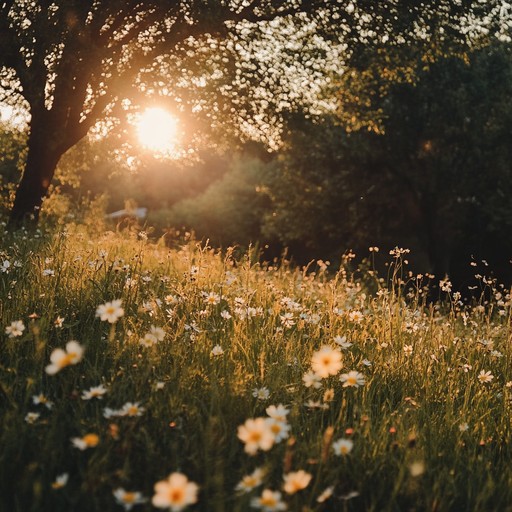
355	316
172	299
5	266
445	285
278	412
41	399
110	413
230	278
60	358
87	441
131	409
417	468
280	429
250	482
94	392
269	501
60	481
313	319
217	351
110	311
148	341
408	350
342	446
326	361
312	404
15	329
311	379
342	342
130	282
287	320
59	322
256	434
225	314
296	481
261	393
352	379
463	427
157	332
128	499
159	385
48	272
397	252
32	417
212	299
325	495
175	493
485	377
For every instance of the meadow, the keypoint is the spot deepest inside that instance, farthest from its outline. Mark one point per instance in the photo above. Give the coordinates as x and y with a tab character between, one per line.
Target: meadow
134	376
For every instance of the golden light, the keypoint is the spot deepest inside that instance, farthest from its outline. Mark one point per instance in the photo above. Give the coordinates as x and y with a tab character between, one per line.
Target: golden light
157	130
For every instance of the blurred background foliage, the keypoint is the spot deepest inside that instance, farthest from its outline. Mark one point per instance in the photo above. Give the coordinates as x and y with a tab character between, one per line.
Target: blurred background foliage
421	159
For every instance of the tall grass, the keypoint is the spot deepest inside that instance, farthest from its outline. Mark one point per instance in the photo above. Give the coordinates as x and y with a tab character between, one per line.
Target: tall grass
430	428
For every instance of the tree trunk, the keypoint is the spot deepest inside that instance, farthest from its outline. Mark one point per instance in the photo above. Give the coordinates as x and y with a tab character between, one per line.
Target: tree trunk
37	176
436	236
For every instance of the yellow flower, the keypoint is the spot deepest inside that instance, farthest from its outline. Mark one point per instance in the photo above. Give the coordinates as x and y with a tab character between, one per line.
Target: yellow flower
94	392
128	499
485	377
296	481
110	311
342	446
326	361
15	329
352	379
256	434
269	501
60	481
131	409
60	358
175	493
88	441
249	482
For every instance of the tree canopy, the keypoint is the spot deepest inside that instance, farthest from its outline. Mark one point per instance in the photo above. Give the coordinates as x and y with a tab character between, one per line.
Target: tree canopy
72	62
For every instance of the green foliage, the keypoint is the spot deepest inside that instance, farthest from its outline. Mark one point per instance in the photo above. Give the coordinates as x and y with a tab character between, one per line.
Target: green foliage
12	159
230	210
426	162
444	145
324	197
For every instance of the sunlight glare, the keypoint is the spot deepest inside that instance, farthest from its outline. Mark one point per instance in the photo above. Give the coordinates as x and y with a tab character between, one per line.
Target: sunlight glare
157	130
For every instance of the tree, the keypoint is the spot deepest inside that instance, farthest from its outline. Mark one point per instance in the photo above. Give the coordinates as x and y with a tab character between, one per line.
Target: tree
433	172
324	198
445	145
73	61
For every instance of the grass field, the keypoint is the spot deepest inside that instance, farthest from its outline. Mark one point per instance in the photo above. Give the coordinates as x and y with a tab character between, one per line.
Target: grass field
134	376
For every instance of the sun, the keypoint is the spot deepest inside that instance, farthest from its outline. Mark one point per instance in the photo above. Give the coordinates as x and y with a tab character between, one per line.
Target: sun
157	130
